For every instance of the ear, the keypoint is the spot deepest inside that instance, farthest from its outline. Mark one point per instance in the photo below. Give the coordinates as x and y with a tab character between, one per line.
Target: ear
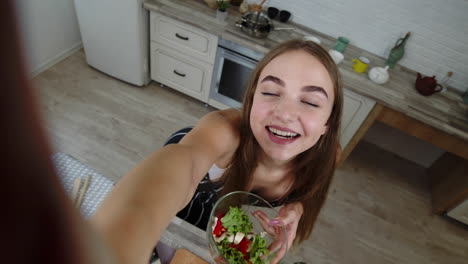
325	127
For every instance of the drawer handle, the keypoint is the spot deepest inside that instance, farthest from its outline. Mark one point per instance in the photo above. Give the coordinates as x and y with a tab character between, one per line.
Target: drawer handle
180	74
181	37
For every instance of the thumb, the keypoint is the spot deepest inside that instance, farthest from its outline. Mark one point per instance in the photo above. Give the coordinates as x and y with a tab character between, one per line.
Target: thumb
285	217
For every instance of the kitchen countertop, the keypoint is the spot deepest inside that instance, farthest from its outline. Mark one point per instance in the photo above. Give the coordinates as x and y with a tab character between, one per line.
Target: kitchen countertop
444	111
183	235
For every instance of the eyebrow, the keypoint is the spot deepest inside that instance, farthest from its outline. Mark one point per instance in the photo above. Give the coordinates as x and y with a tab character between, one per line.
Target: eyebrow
308	88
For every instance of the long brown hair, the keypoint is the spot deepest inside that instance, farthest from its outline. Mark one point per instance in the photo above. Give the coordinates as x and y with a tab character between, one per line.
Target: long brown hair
48	229
313	169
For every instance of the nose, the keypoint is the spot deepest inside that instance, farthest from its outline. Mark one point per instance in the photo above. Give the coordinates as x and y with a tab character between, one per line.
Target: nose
286	110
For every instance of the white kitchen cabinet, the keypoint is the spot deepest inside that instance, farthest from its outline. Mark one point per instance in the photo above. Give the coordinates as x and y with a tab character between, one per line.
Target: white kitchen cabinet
355	110
182	56
184	38
182	73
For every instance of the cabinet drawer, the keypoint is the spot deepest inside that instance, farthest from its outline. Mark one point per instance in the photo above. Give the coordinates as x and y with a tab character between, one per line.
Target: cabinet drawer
183	38
182	73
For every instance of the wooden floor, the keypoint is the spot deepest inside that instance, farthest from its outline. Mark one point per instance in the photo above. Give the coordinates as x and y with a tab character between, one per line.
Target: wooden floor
378	210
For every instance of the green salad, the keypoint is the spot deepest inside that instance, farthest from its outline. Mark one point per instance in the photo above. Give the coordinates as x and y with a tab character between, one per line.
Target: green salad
233	233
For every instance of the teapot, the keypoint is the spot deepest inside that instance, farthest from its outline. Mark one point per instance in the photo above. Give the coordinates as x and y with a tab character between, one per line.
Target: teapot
427	85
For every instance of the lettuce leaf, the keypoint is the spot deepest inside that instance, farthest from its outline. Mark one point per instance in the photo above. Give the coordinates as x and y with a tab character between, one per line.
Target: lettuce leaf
237	221
258	249
233	255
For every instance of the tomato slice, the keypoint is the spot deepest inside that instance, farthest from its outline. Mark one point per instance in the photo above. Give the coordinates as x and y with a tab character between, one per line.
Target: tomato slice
221	216
243	246
232	245
219	228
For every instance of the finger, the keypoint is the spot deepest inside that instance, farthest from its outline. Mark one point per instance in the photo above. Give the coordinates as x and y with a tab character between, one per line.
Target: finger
264	221
274	250
284	234
291	236
274	246
267	219
290	232
272	222
262	217
279	248
280	254
261	214
290	217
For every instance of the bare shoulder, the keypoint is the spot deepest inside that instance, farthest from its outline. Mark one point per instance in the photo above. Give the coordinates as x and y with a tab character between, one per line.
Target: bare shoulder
230	115
216	126
216	134
228	120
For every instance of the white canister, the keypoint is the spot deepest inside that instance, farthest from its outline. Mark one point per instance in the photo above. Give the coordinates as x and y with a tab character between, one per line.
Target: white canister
336	56
312	38
379	75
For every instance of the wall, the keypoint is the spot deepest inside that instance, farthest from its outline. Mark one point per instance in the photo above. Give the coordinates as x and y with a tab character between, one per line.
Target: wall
439	40
50	31
438	44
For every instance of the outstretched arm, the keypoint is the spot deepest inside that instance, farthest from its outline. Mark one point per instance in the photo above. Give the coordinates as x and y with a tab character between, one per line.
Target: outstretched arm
142	204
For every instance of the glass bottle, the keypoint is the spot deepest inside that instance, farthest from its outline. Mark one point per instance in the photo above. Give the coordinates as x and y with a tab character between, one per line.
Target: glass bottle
397	51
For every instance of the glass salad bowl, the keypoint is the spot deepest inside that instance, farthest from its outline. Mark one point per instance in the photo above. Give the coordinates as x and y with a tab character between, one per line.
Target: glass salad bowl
238	231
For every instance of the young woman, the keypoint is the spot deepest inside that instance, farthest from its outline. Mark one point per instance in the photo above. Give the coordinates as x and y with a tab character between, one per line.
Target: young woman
282	146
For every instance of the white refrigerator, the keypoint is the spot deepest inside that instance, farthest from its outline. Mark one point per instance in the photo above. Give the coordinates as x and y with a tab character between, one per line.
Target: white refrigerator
115	37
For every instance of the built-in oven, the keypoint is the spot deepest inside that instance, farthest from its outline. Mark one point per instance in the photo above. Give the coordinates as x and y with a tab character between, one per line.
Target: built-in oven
233	66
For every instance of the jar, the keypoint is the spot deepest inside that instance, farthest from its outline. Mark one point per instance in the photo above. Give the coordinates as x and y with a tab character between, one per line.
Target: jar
341	44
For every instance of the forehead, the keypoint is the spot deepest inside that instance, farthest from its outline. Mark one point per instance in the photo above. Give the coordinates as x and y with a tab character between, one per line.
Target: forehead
299	68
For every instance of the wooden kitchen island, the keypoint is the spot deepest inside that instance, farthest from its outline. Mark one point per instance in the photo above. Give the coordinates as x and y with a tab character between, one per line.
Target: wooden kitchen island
448	176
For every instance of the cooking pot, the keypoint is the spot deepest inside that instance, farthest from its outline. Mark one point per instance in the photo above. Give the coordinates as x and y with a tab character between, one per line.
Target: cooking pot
257	24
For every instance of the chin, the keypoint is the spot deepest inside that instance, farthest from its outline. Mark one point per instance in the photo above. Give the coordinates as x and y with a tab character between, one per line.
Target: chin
281	156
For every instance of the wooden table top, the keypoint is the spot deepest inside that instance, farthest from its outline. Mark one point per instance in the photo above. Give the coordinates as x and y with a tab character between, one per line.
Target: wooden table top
184	256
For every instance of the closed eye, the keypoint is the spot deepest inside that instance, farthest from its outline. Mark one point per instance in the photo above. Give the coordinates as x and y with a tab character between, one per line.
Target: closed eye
311	104
270	94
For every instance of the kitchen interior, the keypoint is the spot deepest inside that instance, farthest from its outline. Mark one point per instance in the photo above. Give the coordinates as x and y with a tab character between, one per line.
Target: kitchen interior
116	78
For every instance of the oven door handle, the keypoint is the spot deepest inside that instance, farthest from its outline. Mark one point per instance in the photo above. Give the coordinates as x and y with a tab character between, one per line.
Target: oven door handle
234	54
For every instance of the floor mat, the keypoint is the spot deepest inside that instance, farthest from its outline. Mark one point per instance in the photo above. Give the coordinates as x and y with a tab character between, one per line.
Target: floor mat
70	168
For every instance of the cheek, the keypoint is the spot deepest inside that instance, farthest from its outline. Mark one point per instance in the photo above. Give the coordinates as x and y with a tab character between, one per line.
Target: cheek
259	111
317	124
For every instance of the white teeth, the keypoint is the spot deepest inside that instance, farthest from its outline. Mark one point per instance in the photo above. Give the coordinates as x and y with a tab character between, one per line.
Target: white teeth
282	133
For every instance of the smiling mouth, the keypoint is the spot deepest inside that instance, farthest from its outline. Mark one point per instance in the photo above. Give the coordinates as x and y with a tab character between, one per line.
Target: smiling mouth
282	134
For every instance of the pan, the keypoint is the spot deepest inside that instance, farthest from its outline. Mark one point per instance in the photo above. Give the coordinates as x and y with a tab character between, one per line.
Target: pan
257	24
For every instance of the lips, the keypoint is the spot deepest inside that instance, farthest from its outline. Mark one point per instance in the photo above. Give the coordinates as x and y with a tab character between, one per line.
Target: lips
281	135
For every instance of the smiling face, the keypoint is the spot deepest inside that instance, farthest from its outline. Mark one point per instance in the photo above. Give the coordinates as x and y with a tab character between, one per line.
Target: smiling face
292	102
